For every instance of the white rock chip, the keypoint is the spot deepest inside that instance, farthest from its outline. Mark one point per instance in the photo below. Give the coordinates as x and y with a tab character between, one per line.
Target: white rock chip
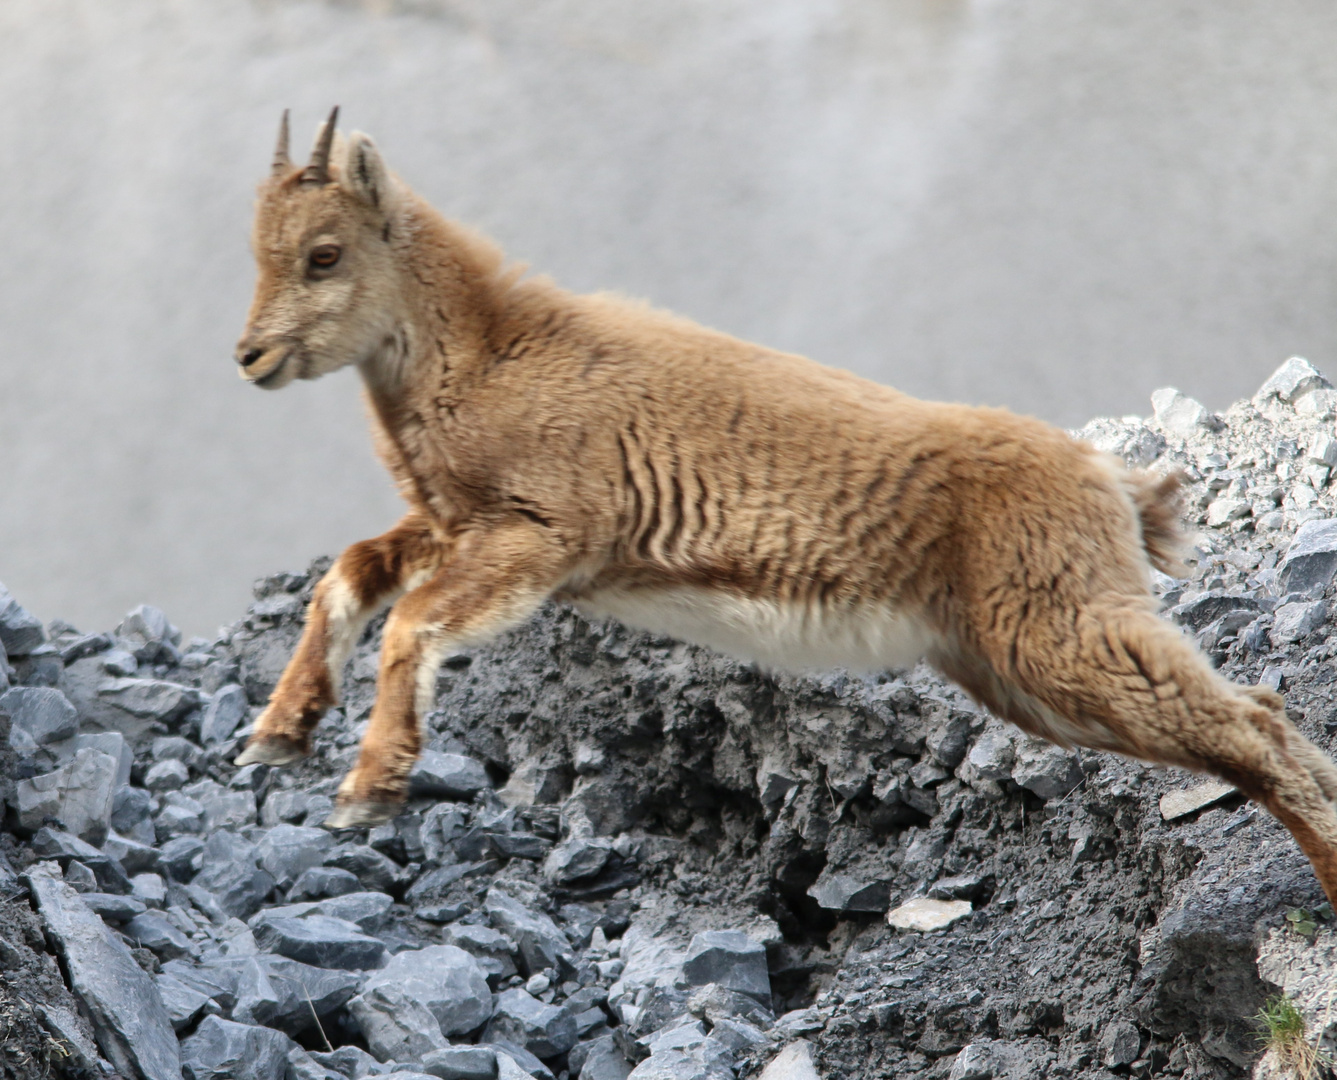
1180	415
794	1062
923	914
1178	804
1295	378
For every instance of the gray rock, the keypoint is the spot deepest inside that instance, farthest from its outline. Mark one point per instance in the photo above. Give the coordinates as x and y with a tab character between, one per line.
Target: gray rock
283	993
1297	620
350	1061
738	1035
224	808
1120	1044
224	1050
319	882
229	872
992	756
146	632
79	877
539	940
437	881
773	784
322	941
986	1059
447	776
395	1024
1295	378
119	662
182	857
602	1060
1311	560
177	747
846	892
184	1003
288	850
514	1062
150	699
167	775
294	806
708	1060
716	1003
130	814
43	712
445	979
156	933
64	847
302	1066
223	715
136	857
20	631
132	1028
576	858
113	908
1199	960
461	1063
1049	771
216	981
948	741
179	815
493	950
544	1030
1180	415
1210	606
111	743
369	866
78	795
252	778
732	960
366	910
520	845
960	887
84	645
149	888
71	1030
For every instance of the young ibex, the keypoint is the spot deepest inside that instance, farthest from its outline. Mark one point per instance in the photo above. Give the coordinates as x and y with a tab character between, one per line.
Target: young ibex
642	467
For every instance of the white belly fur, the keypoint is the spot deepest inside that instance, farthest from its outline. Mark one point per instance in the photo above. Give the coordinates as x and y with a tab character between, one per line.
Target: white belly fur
777	636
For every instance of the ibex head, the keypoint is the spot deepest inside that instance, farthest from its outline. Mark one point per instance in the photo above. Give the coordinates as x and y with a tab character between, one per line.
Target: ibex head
322	243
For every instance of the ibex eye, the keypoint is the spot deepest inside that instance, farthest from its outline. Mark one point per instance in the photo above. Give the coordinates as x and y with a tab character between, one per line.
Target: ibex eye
324	256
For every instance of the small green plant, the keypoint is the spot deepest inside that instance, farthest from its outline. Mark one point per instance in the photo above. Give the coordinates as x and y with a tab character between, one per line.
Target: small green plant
1284	1032
1302	922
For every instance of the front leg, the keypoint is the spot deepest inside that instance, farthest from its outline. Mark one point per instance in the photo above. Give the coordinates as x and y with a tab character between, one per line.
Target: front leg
363	580
494	579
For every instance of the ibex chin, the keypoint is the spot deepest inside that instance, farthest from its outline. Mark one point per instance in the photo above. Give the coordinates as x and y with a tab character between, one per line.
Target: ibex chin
642	467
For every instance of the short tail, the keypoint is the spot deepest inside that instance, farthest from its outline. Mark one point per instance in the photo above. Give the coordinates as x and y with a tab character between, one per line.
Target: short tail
1159	501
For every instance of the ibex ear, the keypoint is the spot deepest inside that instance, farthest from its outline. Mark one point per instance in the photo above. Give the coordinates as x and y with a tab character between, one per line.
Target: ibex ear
364	173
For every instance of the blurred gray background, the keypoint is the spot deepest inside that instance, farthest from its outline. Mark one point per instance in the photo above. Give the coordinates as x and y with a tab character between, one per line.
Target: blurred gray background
1054	206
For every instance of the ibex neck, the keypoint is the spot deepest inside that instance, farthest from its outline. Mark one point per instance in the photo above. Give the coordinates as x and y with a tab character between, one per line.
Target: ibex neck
449	285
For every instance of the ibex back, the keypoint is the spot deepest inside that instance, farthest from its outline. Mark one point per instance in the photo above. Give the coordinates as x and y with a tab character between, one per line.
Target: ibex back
640	466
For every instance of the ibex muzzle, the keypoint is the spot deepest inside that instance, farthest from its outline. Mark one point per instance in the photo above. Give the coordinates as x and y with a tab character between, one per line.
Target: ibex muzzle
643	467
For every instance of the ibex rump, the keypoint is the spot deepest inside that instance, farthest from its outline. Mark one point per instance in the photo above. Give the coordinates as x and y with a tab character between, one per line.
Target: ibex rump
641	466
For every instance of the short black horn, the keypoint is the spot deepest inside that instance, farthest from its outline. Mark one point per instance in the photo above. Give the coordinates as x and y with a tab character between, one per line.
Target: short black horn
318	171
282	163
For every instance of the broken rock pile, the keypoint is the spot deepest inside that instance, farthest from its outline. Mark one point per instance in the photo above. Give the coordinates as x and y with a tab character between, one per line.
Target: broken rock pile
624	856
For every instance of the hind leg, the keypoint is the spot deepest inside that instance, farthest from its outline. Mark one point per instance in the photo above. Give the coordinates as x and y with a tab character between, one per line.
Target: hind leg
1119	678
1320	766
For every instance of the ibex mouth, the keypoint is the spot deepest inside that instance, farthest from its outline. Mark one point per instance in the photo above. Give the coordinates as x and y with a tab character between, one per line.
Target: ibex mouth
269	376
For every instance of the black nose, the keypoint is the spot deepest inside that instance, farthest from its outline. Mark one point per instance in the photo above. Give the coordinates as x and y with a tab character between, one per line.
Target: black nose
250	356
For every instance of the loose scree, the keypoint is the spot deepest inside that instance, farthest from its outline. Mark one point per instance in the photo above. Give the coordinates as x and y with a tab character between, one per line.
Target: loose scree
639	466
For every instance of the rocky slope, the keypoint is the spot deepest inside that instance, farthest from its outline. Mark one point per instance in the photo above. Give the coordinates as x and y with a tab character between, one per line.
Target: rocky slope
629	856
